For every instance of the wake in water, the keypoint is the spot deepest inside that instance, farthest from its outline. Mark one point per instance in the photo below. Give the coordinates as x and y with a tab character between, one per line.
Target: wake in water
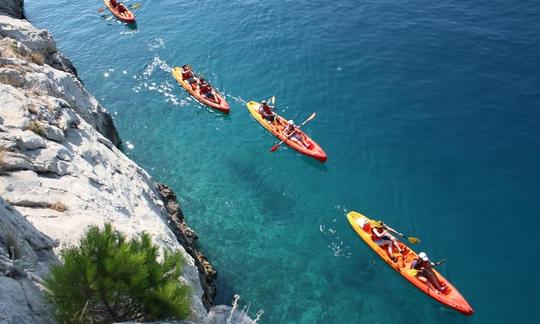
335	242
156	77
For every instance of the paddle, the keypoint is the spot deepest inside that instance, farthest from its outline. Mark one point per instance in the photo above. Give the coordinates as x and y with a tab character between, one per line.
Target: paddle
411	239
275	147
414	272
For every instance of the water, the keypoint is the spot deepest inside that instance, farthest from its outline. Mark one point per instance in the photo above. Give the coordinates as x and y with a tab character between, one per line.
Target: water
429	112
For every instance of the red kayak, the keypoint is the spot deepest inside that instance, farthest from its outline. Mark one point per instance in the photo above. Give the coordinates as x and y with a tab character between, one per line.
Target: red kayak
312	150
120	11
217	102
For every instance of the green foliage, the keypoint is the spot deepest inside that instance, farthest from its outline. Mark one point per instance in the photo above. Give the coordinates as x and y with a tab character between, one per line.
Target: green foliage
108	279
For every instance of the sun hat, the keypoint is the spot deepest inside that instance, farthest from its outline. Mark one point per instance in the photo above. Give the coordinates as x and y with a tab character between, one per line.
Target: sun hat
291	122
423	256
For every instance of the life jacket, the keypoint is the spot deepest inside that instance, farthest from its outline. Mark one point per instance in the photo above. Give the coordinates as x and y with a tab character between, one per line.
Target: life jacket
267	110
374	236
187	74
205	88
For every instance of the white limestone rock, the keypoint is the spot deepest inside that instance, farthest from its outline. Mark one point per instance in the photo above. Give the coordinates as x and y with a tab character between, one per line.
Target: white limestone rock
28	140
75	164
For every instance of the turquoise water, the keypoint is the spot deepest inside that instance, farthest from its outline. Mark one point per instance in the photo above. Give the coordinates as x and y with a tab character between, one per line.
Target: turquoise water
429	112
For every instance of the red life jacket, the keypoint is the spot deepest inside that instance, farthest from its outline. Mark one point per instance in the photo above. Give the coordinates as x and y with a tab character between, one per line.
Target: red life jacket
374	236
187	74
205	88
267	110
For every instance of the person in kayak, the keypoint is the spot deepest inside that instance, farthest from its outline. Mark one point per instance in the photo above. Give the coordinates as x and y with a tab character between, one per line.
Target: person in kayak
118	6
206	90
291	131
425	269
187	73
381	236
267	112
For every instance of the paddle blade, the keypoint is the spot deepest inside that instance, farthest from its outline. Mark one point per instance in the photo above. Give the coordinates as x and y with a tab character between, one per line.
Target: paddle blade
413	240
311	117
272	100
275	147
100	10
135	6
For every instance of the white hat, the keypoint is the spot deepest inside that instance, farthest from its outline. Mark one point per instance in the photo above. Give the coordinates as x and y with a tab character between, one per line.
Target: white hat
423	256
291	122
263	102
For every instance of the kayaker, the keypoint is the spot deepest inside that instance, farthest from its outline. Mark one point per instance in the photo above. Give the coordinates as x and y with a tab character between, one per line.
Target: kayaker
206	89
296	136
425	269
187	73
266	112
381	237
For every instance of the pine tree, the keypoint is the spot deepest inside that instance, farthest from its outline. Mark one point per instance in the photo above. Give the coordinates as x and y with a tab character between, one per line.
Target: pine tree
108	279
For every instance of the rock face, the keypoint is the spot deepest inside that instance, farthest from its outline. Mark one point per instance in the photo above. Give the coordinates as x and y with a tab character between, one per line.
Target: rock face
187	237
13	8
25	257
61	171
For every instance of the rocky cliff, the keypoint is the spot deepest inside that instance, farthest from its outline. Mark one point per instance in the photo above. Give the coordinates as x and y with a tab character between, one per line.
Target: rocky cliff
61	171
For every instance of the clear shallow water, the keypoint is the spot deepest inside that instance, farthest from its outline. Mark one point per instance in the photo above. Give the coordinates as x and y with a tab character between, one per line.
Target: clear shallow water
429	112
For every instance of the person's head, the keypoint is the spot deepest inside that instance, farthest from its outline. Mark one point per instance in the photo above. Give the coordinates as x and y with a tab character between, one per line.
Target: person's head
290	123
203	81
423	256
264	103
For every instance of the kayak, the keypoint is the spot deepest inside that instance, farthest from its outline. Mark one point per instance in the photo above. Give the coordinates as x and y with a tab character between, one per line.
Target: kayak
312	150
219	103
121	12
452	298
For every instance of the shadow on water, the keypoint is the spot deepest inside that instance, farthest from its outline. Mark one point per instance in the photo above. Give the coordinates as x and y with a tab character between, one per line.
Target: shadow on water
261	186
314	163
132	26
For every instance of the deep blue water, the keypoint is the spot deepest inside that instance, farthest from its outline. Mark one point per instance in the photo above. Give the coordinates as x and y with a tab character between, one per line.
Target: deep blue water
429	112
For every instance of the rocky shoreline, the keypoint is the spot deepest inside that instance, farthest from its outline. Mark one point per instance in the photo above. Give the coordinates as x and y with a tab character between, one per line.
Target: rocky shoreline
187	237
61	171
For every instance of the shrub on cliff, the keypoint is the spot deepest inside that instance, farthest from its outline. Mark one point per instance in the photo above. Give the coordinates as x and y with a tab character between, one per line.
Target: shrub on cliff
108	279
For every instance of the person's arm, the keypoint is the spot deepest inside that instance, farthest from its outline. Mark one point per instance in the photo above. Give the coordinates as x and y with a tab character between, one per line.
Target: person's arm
391	229
377	233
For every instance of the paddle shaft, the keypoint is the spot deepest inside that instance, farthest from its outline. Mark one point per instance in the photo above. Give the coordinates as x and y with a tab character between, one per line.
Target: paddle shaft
410	238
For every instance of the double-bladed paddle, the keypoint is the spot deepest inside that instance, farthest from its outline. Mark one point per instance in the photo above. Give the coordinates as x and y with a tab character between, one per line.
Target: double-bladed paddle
275	147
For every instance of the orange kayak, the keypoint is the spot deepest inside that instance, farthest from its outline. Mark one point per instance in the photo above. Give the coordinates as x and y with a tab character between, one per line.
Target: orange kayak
218	103
452	298
121	12
312	149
